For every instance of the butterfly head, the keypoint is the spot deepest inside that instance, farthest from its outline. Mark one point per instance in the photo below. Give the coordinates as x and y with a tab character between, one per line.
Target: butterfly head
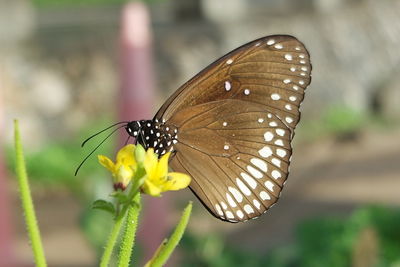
132	128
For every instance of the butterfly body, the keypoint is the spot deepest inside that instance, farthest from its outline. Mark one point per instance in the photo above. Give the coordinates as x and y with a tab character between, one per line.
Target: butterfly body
231	126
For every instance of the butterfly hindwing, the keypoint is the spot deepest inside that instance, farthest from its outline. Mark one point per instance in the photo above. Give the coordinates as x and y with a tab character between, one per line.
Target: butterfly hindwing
239	173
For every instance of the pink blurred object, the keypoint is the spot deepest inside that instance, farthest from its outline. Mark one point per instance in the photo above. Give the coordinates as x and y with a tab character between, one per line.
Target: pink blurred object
135	103
7	256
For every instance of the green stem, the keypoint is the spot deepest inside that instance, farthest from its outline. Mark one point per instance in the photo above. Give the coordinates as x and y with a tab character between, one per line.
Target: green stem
27	203
165	250
112	239
128	240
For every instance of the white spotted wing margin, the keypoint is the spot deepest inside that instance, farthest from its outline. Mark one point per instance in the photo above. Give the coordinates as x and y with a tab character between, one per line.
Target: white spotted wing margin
240	171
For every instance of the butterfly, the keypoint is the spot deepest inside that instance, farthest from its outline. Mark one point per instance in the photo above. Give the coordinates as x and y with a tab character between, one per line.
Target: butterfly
230	127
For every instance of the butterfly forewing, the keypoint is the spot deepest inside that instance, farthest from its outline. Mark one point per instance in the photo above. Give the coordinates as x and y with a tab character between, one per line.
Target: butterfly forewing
235	122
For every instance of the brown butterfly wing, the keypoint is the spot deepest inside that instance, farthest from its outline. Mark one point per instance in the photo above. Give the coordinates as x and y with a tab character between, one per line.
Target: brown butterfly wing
236	120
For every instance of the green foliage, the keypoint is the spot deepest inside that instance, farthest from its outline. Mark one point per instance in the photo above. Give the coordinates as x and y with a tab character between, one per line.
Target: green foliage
212	250
342	120
102	204
55	163
339	121
326	241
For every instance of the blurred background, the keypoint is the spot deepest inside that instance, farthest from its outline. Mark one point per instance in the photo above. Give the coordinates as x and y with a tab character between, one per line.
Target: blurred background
64	68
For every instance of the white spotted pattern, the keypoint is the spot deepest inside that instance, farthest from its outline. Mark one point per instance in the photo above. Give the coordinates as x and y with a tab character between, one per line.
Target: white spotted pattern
276	174
236	194
268	136
254	172
248	209
269	185
230	200
240	214
265	152
245	190
256	203
281	153
264	195
228	86
275	97
259	163
249	180
219	210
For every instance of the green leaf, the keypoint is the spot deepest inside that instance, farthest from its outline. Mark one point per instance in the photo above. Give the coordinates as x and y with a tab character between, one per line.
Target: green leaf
120	196
104	205
167	246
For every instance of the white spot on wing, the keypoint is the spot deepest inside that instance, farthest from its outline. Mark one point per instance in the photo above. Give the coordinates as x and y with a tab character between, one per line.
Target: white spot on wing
269	185
276	162
243	187
254	172
248	209
275	97
229	215
224	206
279	142
281	153
229	61
236	194
262	165
268	136
230	201
289	119
219	210
249	180
264	195
256	203
265	152
228	86
276	174
240	214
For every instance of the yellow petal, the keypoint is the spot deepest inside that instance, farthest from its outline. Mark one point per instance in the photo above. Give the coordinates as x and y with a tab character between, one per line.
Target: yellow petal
151	189
107	163
126	155
123	175
150	163
162	168
176	181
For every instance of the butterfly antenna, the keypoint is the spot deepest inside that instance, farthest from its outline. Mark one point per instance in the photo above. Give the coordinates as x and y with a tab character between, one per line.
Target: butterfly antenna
96	134
127	139
83	161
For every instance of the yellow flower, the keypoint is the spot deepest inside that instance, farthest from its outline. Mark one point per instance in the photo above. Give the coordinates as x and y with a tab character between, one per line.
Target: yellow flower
158	178
123	169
